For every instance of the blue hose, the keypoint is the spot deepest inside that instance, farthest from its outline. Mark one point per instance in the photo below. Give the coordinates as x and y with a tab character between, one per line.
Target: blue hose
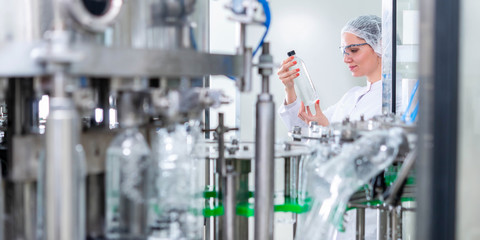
266	10
192	38
412	96
413	116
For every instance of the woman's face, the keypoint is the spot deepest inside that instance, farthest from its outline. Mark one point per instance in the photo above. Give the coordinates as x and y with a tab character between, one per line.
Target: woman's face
361	60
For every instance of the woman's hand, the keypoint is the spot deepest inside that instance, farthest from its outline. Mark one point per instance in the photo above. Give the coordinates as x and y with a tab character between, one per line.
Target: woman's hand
287	76
307	116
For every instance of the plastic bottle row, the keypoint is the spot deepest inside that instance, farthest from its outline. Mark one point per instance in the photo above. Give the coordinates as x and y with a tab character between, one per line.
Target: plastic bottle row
153	193
150	192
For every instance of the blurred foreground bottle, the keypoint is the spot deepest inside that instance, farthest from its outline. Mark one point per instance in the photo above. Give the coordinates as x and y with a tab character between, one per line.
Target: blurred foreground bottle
128	182
304	87
180	192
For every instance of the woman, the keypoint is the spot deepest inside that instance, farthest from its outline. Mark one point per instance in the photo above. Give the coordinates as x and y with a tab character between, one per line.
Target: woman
360	45
361	48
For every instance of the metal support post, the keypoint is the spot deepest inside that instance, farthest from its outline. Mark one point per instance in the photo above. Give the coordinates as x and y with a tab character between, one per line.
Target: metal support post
396	216
64	218
62	172
360	224
244	84
228	185
210	181
382	216
264	153
229	204
296	131
242	168
287	181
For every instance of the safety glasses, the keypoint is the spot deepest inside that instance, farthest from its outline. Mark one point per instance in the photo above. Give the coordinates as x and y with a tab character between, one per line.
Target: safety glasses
351	49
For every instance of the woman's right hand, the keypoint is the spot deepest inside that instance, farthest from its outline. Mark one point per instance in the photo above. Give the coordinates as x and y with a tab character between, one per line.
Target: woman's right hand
307	116
287	76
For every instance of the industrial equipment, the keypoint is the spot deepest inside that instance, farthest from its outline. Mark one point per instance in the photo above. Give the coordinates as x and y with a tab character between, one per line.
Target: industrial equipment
103	138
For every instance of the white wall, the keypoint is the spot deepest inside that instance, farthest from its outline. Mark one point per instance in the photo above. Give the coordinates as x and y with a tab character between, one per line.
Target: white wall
312	29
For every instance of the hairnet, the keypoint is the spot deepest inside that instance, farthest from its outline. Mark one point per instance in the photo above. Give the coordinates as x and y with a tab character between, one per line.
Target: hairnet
369	28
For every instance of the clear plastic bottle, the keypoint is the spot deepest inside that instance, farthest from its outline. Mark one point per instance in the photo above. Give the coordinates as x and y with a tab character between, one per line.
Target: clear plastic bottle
304	87
128	186
179	193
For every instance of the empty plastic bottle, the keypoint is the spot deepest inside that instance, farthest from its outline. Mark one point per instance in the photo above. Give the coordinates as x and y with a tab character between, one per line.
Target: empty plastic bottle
178	183
128	185
304	87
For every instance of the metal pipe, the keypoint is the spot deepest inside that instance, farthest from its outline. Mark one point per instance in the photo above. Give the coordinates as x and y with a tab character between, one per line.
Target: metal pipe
229	205
58	19
402	177
241	37
394	57
209	223
386	56
247	73
59	82
287	180
62	172
244	84
242	168
382	216
264	153
265	85
221	168
360	224
228	185
396	220
287	173
241	44
389	235
264	165
380	207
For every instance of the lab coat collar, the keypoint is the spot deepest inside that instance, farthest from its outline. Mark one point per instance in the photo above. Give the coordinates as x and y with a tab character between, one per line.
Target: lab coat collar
374	85
370	86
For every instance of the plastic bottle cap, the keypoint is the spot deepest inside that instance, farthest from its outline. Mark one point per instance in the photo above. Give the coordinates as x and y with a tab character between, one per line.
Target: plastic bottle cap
291	53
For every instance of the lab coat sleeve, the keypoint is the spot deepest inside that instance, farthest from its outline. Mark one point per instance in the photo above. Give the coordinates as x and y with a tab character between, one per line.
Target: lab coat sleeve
329	112
333	111
288	114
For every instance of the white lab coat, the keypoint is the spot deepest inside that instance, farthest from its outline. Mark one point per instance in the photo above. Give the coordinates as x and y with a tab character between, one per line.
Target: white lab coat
357	101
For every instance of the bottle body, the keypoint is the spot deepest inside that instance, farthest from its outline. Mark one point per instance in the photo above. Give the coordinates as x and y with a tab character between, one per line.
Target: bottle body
128	180
177	184
304	87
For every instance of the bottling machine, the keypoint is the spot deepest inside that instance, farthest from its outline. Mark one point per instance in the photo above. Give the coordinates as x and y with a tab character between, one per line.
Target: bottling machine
119	151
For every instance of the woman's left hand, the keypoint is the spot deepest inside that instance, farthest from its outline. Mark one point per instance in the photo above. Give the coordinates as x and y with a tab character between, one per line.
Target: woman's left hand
307	116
